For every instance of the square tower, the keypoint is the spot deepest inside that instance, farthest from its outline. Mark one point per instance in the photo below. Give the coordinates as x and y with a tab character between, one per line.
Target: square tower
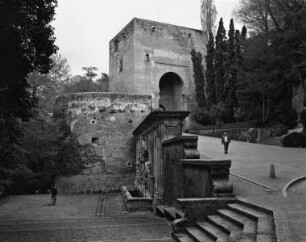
149	57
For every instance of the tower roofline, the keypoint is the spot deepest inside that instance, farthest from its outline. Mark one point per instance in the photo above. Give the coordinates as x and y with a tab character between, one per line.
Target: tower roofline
132	22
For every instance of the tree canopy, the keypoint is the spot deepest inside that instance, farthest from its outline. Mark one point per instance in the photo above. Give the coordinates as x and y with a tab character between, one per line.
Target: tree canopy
26	43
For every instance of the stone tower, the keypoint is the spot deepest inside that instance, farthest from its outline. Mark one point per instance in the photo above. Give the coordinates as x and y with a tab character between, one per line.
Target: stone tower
154	58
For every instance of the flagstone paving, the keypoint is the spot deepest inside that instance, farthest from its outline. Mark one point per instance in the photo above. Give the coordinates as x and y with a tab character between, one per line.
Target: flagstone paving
30	218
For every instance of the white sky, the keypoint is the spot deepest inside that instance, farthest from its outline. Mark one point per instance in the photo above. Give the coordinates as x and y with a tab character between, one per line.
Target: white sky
84	28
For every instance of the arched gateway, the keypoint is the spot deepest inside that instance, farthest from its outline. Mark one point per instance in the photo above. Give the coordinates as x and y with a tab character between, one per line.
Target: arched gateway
171	88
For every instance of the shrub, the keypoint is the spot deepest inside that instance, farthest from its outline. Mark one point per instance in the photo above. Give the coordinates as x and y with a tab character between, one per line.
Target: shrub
203	118
294	140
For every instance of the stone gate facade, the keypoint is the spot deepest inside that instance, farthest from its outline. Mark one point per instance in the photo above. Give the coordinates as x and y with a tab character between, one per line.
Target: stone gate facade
154	58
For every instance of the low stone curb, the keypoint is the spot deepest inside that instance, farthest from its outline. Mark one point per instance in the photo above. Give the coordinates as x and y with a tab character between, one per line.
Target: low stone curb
291	183
254	182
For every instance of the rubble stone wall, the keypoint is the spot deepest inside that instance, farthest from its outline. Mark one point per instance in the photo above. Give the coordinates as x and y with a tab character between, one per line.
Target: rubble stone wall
103	124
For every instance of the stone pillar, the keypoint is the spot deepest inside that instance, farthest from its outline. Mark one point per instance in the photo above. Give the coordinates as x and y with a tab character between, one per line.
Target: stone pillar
159	126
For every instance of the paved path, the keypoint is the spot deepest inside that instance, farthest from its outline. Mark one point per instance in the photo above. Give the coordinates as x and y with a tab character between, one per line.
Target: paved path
252	161
29	218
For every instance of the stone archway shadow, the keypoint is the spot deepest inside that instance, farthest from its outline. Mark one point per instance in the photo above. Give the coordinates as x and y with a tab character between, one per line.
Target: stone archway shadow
171	89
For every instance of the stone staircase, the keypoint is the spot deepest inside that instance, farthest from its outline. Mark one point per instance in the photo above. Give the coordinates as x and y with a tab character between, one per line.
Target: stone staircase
276	141
238	221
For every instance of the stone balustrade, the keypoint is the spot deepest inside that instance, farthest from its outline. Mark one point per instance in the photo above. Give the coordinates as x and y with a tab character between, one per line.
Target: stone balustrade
188	176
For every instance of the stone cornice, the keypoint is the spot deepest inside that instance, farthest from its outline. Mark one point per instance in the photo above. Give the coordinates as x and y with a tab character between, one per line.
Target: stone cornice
157	116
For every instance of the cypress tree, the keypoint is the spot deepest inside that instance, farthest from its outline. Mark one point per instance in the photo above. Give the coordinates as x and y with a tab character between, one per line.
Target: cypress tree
230	72
238	55
198	74
210	71
220	57
243	37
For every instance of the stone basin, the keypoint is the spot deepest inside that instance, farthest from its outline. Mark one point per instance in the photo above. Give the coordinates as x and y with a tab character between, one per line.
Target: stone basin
136	202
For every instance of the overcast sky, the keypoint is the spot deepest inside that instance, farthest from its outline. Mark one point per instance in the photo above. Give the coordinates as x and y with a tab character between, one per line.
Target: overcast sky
84	28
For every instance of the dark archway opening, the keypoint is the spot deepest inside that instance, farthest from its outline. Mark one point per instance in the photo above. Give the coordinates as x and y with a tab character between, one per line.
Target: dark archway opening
171	88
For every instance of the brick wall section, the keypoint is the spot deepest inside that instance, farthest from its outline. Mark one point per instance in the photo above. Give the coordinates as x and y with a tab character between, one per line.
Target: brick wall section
103	123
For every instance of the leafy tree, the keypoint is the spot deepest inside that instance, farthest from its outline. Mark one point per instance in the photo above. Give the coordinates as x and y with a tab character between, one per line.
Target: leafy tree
198	74
103	82
91	72
210	71
275	53
26	43
46	87
82	84
208	16
220	57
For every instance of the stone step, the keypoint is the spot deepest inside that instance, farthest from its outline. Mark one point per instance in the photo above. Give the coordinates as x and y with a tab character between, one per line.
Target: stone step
180	214
249	226
197	235
213	232
160	210
233	231
182	237
247	212
254	206
170	213
265	221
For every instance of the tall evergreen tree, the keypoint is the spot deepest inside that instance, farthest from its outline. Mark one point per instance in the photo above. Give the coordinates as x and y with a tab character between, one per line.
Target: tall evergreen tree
220	57
210	71
230	72
238	47
199	80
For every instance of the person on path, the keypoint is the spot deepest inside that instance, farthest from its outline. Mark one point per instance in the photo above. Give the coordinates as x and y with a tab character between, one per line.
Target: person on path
53	192
225	140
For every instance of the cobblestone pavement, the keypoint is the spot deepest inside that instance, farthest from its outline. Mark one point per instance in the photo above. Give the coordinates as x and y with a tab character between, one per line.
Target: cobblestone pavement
29	218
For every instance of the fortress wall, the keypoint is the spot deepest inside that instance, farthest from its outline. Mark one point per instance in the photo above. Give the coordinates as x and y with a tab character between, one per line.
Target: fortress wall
103	123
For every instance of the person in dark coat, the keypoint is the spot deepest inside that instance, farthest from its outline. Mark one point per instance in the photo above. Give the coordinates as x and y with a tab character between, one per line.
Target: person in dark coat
53	192
225	140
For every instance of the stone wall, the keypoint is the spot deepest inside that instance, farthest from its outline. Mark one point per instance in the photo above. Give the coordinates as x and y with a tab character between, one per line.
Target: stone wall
103	124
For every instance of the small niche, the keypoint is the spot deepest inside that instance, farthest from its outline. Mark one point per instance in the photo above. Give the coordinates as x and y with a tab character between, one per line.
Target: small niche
93	120
121	65
94	140
147	57
116	45
129	164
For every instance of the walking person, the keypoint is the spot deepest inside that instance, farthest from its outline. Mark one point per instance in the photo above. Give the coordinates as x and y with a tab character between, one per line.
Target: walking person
53	192
225	140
